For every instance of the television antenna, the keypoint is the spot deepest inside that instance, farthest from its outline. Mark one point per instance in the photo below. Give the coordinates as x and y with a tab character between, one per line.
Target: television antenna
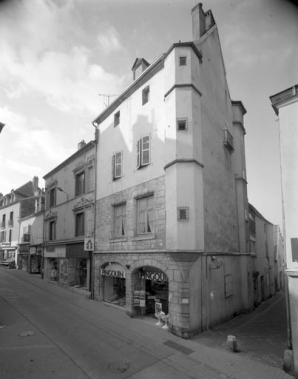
106	98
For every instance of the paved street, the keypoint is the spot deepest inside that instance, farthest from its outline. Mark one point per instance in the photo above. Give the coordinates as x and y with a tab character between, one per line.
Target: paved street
49	332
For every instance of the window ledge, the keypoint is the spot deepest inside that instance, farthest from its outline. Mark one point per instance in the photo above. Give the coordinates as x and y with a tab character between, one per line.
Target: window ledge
144	237
120	239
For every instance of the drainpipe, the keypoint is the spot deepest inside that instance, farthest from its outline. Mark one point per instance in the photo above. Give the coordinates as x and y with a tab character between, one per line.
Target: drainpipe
95	124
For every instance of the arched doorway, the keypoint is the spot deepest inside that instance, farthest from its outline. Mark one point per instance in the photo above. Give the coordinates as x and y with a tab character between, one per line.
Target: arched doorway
150	289
114	284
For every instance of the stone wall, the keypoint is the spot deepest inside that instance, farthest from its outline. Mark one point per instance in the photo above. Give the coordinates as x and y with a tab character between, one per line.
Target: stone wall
131	241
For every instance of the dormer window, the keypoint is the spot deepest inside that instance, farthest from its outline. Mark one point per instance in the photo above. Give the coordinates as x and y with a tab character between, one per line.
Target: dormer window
139	66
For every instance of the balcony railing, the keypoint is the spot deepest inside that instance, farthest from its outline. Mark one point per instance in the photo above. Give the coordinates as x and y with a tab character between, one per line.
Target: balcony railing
10	223
26	238
228	140
2	225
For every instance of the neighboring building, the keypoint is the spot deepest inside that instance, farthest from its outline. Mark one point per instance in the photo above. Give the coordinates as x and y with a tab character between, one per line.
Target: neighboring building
263	252
69	219
172	209
15	205
31	238
285	105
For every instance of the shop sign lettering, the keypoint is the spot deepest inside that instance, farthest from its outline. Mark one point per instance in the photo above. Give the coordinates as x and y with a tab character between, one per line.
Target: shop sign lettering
116	274
154	276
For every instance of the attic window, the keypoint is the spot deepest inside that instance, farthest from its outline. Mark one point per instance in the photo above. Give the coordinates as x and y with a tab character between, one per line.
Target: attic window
182	61
117	118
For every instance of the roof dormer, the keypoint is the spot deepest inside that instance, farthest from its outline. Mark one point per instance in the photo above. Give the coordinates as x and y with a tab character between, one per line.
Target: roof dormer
139	66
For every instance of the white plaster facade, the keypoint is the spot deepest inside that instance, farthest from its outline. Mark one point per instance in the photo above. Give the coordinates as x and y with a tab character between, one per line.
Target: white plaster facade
285	105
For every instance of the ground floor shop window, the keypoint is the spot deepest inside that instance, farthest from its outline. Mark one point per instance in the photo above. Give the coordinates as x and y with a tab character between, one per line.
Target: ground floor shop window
114	284
35	265
152	285
52	269
74	272
115	291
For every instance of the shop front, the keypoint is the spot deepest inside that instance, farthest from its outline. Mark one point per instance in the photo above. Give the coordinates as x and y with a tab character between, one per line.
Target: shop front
35	260
114	284
76	268
23	257
68	265
151	291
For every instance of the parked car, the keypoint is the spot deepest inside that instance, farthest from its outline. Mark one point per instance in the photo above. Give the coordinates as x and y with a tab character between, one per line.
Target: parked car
8	263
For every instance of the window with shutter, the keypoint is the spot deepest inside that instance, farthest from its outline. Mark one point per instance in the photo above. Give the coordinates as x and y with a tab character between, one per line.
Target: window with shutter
143	151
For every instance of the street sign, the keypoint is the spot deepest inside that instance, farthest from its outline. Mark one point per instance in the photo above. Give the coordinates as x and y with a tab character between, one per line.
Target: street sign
89	244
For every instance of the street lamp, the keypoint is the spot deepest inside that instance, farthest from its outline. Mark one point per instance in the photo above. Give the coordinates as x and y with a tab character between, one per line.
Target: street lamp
61	190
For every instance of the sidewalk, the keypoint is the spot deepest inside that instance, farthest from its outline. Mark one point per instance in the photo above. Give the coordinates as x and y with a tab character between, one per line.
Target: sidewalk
261	335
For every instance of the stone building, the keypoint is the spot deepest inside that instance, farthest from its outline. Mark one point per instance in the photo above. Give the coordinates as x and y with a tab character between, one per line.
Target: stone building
69	219
171	198
266	247
31	238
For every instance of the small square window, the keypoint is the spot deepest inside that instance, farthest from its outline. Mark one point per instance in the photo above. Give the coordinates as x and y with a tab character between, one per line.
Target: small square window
183	213
182	61
145	95
117	118
182	123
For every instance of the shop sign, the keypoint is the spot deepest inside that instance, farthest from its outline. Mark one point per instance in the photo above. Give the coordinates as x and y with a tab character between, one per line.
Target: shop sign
24	249
158	276
55	252
5	243
114	273
32	250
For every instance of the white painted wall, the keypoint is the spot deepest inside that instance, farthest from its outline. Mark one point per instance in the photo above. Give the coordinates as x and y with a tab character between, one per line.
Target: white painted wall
288	118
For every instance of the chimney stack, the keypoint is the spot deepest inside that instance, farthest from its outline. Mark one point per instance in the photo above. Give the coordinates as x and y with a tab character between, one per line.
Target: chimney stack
201	21
35	185
81	145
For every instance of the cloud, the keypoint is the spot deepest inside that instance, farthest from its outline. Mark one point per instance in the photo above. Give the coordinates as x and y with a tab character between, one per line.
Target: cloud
45	51
109	41
30	138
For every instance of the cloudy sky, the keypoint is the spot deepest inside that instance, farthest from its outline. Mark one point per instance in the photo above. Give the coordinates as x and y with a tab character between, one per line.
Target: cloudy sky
59	56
